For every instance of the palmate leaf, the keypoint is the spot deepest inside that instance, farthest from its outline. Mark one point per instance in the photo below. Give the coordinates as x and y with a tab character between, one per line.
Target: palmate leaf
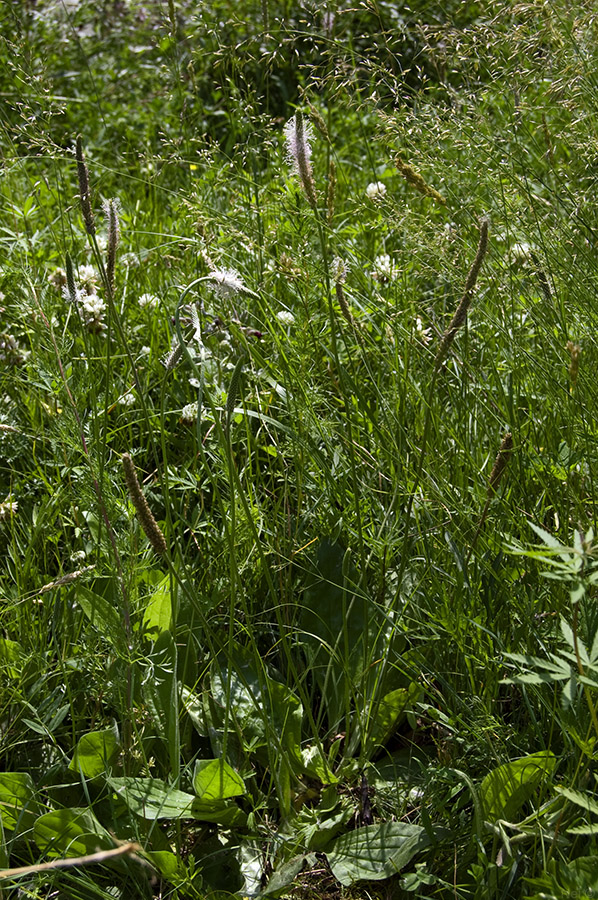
550	670
579	798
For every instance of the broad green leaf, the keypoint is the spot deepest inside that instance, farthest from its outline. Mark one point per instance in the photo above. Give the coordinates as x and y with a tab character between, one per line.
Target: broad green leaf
194	707
579	877
18	803
216	780
376	851
103	616
286	874
267	712
389	712
11	658
95	753
161	689
168	864
251	865
151	798
336	625
507	788
71	832
158	612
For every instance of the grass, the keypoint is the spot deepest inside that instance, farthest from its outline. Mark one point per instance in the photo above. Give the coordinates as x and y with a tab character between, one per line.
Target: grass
301	641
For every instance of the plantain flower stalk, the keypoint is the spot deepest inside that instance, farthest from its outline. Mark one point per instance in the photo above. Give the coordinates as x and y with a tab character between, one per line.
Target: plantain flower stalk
84	192
500	463
460	315
298	136
148	523
111	212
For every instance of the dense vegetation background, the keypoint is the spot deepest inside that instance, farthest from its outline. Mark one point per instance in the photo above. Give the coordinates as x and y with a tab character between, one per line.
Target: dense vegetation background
297	449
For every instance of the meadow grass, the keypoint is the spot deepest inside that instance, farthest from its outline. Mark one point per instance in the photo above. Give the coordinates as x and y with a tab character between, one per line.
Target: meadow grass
297	354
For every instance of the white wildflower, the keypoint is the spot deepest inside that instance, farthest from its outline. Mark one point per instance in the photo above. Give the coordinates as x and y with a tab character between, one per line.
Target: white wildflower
189	414
376	190
144	352
148	300
88	278
285	317
298	145
384	268
8	509
227	282
127	399
92	309
328	19
102	242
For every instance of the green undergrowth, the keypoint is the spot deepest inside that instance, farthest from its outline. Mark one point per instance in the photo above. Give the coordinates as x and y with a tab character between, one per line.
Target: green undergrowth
296	451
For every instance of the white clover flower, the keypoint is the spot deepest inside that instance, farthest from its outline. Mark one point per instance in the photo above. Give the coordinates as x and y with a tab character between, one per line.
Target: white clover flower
92	309
92	305
227	282
384	268
127	399
189	414
376	190
8	509
88	278
148	300
102	242
285	317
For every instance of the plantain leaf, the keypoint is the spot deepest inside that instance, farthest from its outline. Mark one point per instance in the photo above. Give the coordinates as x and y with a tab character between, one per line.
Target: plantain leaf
216	780
18	803
95	753
71	832
376	851
507	788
